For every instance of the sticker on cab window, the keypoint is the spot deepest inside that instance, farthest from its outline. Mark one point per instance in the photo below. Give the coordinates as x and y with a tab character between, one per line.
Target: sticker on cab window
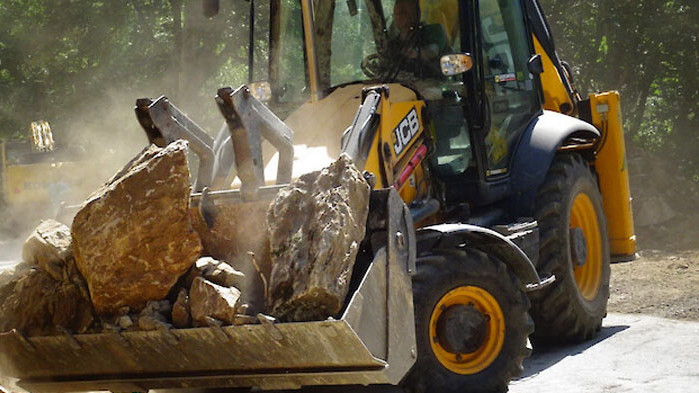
505	77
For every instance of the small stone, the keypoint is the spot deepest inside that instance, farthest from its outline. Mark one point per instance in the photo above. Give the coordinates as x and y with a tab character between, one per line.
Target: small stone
181	315
155	315
110	327
125	322
157	308
211	300
218	272
149	323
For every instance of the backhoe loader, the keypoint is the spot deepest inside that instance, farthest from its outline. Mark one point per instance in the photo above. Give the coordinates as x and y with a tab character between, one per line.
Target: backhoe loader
499	197
37	175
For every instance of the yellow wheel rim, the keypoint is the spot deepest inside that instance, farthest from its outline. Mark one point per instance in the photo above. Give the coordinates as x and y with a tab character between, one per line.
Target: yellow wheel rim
485	303
589	275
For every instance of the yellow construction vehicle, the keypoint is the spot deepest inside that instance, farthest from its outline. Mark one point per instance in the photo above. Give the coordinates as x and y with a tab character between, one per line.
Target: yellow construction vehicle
36	176
496	188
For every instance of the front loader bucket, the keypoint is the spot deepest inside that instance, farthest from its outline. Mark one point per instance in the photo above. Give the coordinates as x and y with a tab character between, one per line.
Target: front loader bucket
137	361
372	343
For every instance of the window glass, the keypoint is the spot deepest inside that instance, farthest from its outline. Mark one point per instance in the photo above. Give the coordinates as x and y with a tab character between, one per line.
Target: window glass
509	86
446	14
452	155
352	42
291	77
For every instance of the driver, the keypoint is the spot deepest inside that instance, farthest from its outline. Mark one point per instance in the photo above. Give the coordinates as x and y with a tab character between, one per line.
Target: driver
411	39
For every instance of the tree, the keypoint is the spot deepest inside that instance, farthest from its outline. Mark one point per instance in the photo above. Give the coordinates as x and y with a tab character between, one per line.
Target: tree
81	64
648	51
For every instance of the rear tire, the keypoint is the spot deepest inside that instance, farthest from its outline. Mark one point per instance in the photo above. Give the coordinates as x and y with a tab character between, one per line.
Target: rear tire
572	308
459	278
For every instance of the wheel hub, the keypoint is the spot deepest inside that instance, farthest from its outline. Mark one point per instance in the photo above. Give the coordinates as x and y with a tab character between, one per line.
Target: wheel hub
462	329
467	330
578	246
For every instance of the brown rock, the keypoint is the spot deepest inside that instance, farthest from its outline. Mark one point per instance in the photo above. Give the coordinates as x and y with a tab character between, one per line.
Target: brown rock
211	300
10	276
132	238
155	315
218	272
37	305
181	315
125	322
49	247
315	227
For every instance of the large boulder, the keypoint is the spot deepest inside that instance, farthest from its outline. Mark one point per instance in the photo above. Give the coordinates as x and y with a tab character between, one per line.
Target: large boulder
315	226
132	238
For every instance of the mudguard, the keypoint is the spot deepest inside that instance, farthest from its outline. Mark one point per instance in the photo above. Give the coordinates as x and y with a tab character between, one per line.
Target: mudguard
535	152
452	236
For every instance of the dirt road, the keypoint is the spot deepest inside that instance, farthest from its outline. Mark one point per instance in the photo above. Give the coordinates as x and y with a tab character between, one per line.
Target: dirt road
660	283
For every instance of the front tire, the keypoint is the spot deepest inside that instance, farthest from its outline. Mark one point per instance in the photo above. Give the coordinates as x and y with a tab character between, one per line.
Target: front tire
574	247
472	324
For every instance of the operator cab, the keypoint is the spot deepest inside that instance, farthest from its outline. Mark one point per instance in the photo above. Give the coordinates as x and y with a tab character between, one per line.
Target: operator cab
477	117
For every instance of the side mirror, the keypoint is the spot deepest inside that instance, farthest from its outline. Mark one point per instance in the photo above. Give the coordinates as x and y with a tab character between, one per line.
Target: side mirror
261	90
456	63
210	8
535	65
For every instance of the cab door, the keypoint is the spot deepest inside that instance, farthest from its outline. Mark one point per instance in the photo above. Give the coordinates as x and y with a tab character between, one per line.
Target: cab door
511	92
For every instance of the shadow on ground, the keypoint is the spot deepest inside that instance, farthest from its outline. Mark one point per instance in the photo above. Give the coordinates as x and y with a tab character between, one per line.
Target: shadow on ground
546	356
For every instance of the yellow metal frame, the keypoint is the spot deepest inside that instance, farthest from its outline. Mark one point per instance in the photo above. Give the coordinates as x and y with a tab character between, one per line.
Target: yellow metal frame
610	164
479	360
555	93
392	114
309	38
386	169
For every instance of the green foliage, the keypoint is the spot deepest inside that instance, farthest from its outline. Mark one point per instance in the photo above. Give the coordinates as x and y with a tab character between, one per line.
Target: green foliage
647	50
82	63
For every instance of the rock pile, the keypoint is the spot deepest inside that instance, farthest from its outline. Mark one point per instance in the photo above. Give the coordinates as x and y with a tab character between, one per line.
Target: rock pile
45	294
138	257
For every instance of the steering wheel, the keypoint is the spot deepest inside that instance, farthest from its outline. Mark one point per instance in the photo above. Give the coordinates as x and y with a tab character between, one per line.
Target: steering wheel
371	66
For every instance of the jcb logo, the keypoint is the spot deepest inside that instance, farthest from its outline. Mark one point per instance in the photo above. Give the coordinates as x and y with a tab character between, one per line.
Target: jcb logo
406	130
